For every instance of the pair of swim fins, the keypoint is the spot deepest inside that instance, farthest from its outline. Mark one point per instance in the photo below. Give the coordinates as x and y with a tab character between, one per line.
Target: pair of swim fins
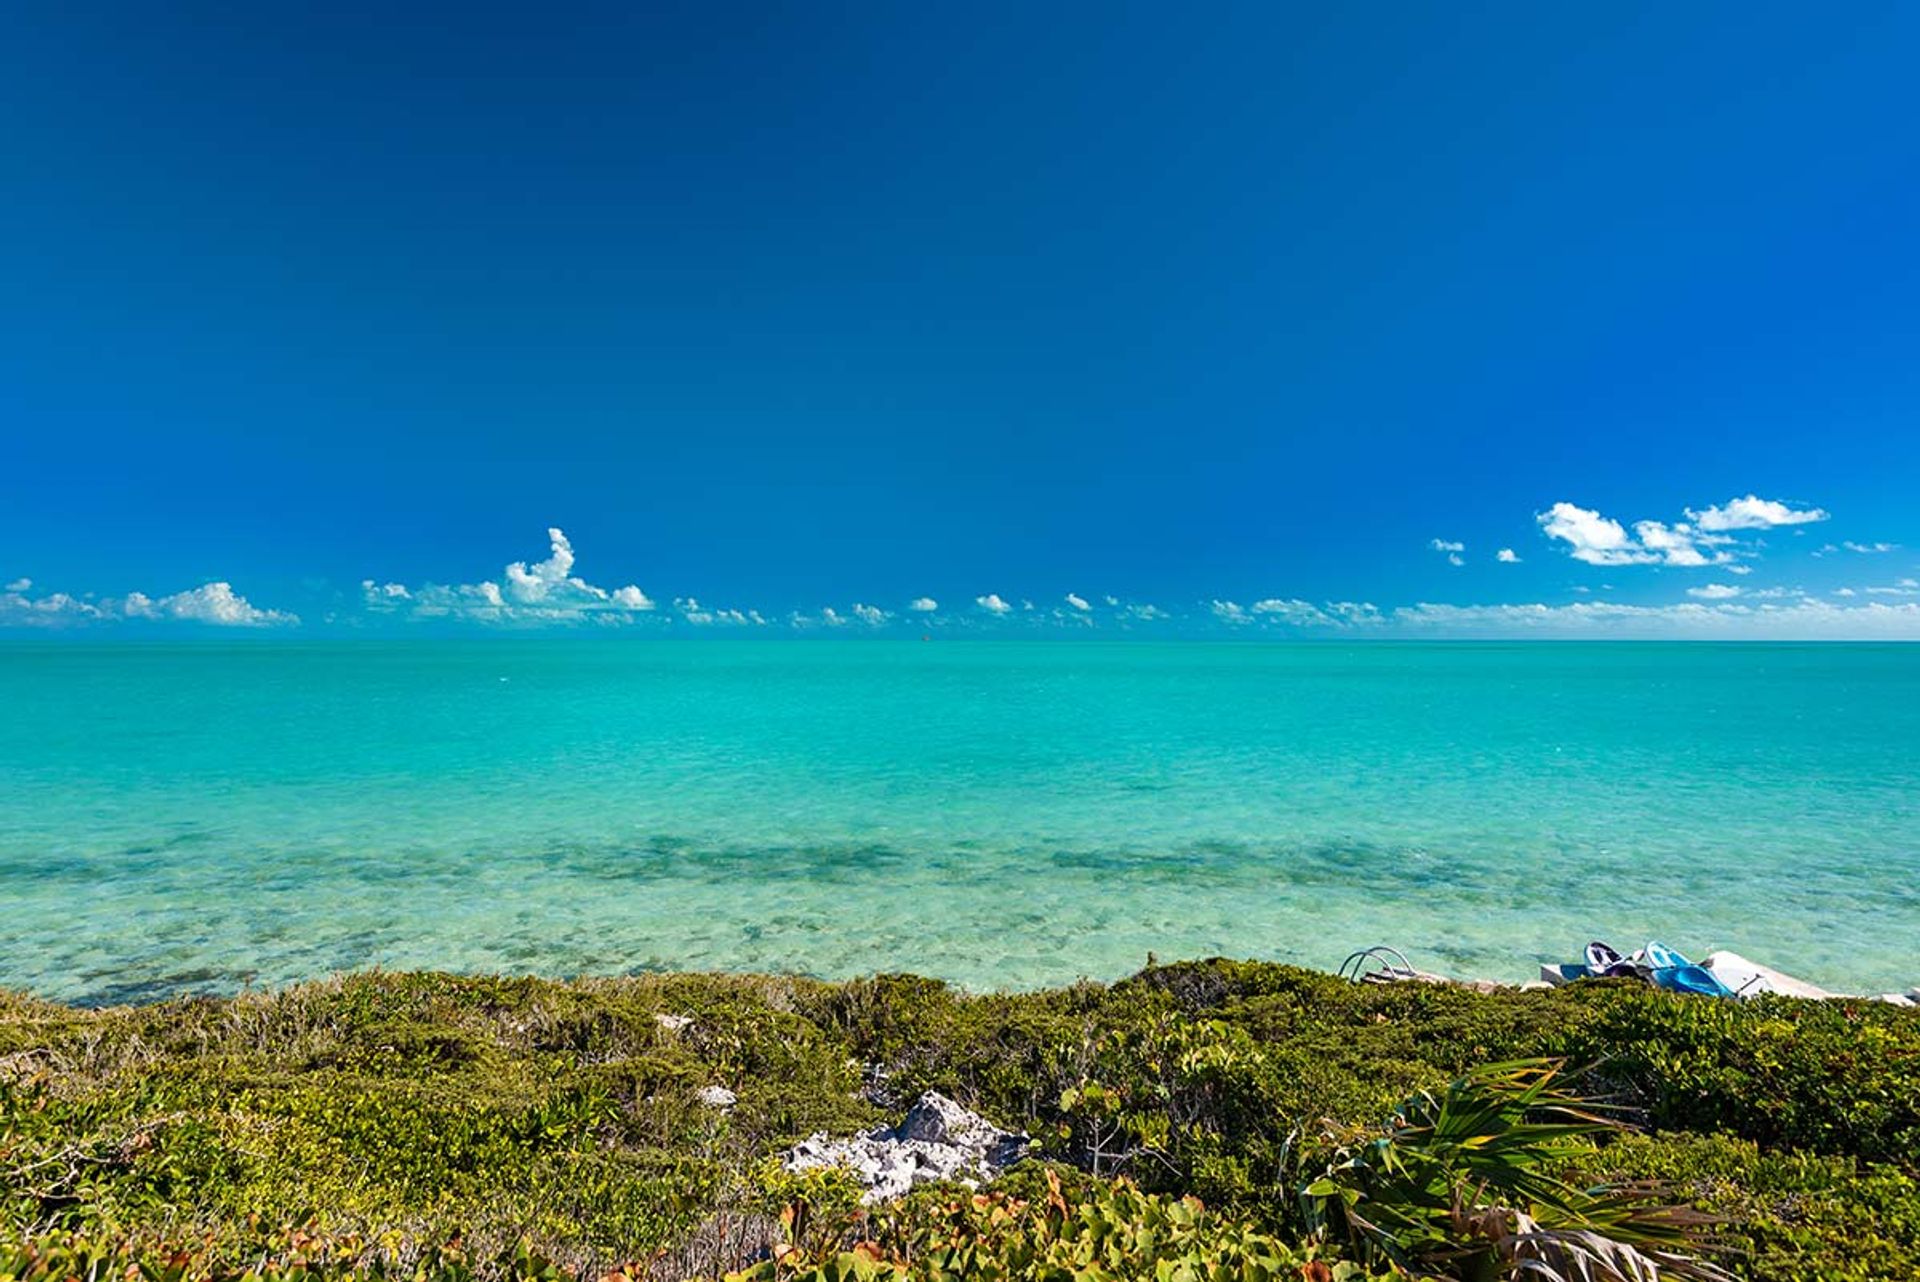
1661	965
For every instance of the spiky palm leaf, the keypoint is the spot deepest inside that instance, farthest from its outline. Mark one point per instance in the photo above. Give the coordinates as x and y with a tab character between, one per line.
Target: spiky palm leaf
1456	1174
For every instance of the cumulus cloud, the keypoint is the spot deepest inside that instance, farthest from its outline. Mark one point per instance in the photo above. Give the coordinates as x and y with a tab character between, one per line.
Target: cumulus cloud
701	616
923	605
1905	587
1809	620
539	581
543	592
1753	513
218	603
1289	610
51	610
1078	602
1714	592
1677	544
1507	556
215	604
1869	549
1355	613
1595	539
1230	612
1601	540
872	615
992	603
1452	548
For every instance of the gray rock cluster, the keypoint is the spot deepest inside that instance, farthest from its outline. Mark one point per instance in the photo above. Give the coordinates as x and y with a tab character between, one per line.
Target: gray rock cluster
937	1140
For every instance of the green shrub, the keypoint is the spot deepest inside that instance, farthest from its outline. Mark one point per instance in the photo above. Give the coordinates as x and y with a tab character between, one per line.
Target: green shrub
1469	1182
1834	1076
1112	1233
1783	1216
403	1111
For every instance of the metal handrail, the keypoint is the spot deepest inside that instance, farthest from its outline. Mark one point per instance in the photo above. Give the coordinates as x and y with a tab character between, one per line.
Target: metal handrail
1385	954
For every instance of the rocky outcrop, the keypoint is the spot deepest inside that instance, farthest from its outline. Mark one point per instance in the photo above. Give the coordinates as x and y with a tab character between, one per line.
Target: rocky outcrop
937	1140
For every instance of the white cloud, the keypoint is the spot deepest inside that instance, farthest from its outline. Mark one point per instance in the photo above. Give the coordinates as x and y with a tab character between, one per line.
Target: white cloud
871	615
992	603
1753	513
1295	613
1845	592
1147	612
1600	540
1355	613
544	592
1714	592
1800	620
631	598
215	604
1078	602
923	605
539	581
1445	545
1676	544
827	618
1507	556
52	610
1905	587
1869	548
1291	611
1595	539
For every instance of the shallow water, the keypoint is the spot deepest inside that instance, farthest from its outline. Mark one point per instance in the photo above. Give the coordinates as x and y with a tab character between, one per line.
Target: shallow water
198	816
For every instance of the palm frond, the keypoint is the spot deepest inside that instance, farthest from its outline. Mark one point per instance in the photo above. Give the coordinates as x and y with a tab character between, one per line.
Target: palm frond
1466	1180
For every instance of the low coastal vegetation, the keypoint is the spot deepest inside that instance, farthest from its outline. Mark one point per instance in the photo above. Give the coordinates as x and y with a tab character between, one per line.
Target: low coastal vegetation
1209	1120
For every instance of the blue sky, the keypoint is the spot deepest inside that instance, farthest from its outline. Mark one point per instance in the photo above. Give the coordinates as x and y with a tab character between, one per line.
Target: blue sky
782	310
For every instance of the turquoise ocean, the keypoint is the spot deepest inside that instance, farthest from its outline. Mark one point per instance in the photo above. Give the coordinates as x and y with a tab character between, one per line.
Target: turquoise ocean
200	817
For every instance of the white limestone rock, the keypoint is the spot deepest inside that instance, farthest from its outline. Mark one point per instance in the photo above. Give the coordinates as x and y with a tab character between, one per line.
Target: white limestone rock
937	1140
717	1097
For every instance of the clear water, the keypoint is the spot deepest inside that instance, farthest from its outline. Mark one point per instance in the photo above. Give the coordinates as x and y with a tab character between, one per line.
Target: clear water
199	817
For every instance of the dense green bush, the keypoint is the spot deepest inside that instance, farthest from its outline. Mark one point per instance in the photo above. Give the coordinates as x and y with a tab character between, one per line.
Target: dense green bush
403	1112
1784	1214
1111	1233
1832	1077
1471	1181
